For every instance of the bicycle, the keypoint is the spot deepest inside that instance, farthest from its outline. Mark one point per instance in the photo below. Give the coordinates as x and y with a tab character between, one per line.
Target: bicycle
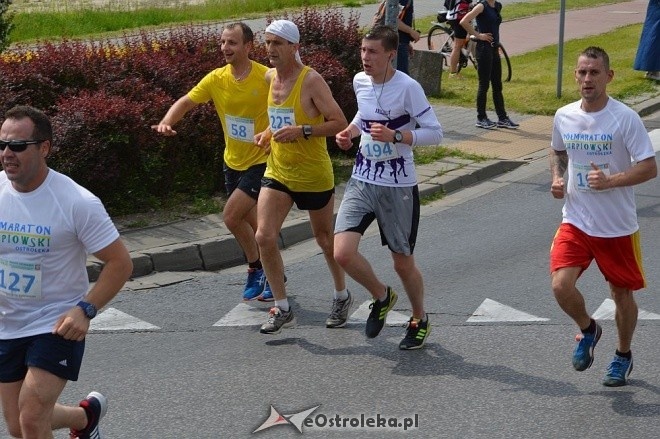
441	35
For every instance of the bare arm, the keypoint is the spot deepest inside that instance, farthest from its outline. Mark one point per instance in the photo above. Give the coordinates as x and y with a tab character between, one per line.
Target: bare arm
466	22
558	166
174	115
117	268
316	99
403	27
639	173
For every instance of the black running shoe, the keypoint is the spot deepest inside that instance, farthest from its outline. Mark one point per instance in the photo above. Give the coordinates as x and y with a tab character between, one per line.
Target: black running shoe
378	313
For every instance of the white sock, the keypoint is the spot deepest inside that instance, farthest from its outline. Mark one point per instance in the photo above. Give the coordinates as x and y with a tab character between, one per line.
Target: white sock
384	297
283	304
341	295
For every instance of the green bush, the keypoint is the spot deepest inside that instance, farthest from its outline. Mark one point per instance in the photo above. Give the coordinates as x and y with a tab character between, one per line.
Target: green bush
5	24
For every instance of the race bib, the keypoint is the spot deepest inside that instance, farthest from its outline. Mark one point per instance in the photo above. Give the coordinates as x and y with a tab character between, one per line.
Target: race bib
20	280
376	150
579	173
280	117
240	128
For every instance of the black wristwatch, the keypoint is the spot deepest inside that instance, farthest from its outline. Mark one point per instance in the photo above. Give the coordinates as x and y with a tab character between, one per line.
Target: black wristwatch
89	309
398	137
307	131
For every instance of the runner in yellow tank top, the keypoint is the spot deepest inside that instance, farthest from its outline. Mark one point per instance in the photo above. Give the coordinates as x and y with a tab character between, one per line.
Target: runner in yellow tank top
303	164
302	113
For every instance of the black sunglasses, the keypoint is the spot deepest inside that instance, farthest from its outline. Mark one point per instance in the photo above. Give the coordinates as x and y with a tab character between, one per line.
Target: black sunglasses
18	145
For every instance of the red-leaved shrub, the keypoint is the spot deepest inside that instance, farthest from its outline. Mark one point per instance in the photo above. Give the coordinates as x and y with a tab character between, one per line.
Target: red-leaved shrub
103	97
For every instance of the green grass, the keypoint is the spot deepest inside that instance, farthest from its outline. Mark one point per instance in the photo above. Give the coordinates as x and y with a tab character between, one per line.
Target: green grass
425	155
53	19
533	88
518	10
77	18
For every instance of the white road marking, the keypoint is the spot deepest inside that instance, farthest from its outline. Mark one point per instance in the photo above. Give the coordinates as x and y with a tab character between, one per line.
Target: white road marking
492	311
114	320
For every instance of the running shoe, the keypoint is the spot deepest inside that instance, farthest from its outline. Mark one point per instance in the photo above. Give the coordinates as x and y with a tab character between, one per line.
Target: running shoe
618	372
507	123
278	319
583	355
379	310
416	334
255	284
267	294
339	314
96	406
486	124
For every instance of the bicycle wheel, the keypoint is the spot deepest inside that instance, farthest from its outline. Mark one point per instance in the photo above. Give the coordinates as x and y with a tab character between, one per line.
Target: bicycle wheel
440	39
506	71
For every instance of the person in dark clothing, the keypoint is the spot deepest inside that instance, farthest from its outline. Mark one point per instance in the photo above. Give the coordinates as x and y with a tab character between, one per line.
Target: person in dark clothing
489	64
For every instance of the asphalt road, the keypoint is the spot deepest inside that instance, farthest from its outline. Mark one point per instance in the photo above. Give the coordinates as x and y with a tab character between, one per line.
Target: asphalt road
497	364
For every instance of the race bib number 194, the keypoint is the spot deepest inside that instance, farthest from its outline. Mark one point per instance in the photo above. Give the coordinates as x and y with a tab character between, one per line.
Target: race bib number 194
377	151
20	280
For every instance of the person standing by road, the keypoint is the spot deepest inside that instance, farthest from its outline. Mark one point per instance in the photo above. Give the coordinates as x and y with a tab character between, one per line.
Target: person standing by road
605	149
239	92
407	34
647	58
302	113
489	64
48	225
458	9
393	116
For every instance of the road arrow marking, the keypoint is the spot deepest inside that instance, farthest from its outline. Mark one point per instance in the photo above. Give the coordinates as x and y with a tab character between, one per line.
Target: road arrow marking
361	314
244	314
114	320
492	311
606	312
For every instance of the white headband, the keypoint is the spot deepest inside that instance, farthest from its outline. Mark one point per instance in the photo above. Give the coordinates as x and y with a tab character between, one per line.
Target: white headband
285	29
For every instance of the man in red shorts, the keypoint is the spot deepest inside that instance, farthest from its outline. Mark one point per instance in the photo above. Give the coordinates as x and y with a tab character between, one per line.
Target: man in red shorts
605	149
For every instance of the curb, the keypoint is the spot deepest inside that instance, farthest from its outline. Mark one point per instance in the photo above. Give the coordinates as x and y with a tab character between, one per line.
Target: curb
223	251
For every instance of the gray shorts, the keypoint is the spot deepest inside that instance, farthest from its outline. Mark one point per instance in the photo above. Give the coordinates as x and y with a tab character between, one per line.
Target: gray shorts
396	209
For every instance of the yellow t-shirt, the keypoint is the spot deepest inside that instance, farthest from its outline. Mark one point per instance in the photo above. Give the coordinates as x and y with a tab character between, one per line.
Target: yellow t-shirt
241	107
302	165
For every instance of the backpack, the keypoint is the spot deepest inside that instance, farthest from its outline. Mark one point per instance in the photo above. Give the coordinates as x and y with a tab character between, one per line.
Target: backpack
379	16
457	9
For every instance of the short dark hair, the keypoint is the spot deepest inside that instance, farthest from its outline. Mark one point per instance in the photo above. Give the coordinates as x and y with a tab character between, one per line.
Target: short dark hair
388	37
248	35
595	52
43	129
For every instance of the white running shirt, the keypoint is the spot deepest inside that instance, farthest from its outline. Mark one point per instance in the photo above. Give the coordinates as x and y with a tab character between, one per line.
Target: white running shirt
45	236
399	103
611	138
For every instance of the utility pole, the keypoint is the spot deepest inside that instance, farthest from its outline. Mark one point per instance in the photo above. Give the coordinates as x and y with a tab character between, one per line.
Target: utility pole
391	15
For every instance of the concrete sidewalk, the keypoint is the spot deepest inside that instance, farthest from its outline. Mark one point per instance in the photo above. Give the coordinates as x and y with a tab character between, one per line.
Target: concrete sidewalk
161	255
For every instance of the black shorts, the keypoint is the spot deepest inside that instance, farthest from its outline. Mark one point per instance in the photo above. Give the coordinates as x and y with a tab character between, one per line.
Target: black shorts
303	200
49	352
249	181
459	31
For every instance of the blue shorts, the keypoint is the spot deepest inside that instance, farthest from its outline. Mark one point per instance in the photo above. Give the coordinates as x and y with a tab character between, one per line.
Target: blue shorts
49	352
